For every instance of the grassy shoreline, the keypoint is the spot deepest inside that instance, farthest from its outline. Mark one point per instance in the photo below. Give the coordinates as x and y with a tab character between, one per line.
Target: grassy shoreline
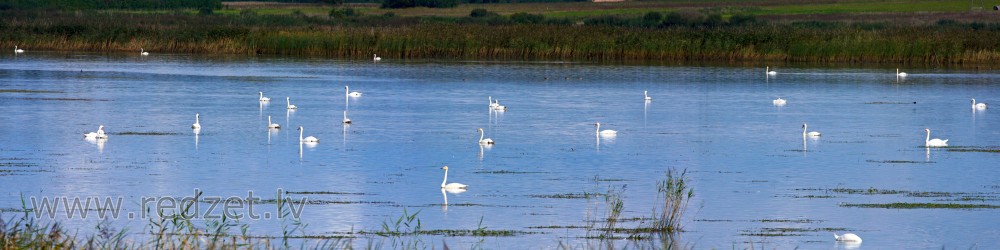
602	39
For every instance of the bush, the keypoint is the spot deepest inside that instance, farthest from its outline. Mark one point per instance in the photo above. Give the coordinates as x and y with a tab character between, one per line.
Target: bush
397	4
482	13
522	17
205	11
342	12
740	19
652	17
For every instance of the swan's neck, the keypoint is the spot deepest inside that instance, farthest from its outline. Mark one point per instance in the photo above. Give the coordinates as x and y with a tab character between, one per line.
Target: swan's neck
300	134
928	137
598	128
269	120
345	115
196	119
804	129
481	134
445	178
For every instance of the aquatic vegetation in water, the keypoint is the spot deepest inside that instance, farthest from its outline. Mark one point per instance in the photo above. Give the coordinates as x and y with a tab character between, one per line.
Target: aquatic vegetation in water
905	205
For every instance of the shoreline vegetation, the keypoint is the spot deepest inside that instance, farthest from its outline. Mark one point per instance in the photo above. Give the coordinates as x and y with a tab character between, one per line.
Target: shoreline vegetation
648	33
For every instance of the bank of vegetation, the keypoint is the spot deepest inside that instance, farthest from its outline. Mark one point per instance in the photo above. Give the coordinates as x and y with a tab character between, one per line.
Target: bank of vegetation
346	32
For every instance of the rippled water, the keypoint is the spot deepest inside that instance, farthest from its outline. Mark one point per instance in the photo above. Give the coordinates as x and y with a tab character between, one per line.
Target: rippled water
755	178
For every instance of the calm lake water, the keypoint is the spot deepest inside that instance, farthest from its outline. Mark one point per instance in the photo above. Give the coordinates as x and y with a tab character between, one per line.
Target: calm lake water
755	178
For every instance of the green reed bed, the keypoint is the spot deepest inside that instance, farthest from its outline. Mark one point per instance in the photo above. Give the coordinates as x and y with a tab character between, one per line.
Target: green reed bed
944	42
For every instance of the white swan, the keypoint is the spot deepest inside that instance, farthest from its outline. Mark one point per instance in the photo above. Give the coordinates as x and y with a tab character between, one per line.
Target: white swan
901	74
16	50
482	141
779	102
769	71
813	133
492	104
848	237
979	106
606	132
346	120
497	105
307	139
97	135
143	52
648	98
197	123
351	94
288	103
928	142
376	58
272	125
453	185
262	98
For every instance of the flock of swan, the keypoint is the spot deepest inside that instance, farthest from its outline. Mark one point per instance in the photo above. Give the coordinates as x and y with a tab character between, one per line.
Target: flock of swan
494	104
928	142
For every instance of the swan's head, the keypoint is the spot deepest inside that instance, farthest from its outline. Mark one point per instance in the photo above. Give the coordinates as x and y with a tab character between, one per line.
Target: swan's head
445	167
100	127
197	115
300	127
804	125
927	130
479	129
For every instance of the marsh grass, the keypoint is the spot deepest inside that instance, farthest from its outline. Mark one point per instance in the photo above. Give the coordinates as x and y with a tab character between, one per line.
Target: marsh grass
675	194
906	205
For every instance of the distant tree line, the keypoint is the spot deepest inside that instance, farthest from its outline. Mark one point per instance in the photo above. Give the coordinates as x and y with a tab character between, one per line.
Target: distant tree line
109	4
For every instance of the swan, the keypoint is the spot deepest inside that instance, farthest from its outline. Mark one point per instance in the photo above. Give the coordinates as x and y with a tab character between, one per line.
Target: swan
493	104
16	50
97	135
346	120
901	74
497	106
351	94
376	58
197	123
813	133
288	103
143	52
262	98
606	132
307	139
978	105
453	185
778	102
769	71
486	141
648	98
928	142
848	237
272	125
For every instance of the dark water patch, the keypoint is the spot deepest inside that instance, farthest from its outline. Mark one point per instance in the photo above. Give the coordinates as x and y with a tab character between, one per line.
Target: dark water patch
144	133
866	191
885	103
788	221
970	198
583	195
905	205
62	99
714	220
324	192
846	142
18	164
27	91
558	227
888	135
898	162
815	196
507	172
990	149
453	233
